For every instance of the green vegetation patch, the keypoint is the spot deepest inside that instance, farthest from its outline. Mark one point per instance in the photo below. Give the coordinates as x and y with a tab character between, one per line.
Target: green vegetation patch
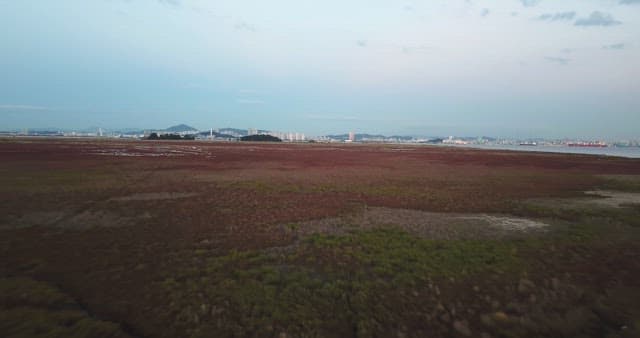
29	308
627	183
39	181
628	214
328	285
393	253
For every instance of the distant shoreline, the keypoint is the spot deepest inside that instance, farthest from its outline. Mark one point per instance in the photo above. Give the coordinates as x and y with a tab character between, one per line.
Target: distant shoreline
612	151
625	152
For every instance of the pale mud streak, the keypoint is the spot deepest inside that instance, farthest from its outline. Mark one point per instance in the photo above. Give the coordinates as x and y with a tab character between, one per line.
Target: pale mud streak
429	225
83	220
508	223
595	199
622	178
615	199
35	218
149	151
152	196
92	219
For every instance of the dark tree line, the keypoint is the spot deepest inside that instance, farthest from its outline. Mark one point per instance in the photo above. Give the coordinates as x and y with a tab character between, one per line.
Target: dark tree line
260	138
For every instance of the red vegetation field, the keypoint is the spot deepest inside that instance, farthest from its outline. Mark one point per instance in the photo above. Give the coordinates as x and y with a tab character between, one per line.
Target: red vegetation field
131	231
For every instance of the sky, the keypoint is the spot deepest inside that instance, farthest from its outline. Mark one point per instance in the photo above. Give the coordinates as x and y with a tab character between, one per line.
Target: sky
505	68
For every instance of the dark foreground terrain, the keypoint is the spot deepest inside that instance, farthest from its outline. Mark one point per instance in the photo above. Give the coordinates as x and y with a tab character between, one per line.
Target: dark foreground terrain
161	239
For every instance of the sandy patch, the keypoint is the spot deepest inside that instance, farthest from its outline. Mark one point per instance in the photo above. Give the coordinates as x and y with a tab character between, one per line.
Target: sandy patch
151	196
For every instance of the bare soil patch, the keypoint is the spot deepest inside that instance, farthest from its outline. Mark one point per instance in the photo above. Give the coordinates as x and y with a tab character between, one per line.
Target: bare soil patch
623	178
614	199
35	218
432	225
600	199
86	219
99	218
151	196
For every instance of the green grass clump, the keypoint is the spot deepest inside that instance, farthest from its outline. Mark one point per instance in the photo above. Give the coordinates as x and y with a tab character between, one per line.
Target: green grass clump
329	285
69	180
395	254
29	308
628	215
627	183
27	292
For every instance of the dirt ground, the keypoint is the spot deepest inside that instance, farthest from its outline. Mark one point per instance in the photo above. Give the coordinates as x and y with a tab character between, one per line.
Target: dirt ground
208	239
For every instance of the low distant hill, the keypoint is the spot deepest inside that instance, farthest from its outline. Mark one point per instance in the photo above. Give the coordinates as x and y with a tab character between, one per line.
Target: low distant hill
232	131
181	128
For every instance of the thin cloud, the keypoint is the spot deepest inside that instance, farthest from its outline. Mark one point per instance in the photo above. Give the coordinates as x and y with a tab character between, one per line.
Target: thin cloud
361	43
249	101
170	2
409	49
245	91
615	46
21	107
629	2
484	12
598	18
529	3
558	60
243	26
332	117
560	16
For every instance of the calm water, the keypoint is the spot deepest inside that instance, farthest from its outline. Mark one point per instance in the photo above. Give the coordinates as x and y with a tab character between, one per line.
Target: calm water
631	152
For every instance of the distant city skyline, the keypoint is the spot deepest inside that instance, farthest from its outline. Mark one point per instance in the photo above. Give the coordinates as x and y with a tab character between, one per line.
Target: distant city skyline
290	135
510	68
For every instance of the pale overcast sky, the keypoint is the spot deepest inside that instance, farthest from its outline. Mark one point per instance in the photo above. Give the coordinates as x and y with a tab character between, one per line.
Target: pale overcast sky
502	68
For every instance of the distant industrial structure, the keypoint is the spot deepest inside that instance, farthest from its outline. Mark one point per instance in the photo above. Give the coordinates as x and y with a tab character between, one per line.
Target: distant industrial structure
452	140
288	136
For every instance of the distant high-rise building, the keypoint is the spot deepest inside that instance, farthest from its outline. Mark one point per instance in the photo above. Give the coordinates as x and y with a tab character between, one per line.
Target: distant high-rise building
352	136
